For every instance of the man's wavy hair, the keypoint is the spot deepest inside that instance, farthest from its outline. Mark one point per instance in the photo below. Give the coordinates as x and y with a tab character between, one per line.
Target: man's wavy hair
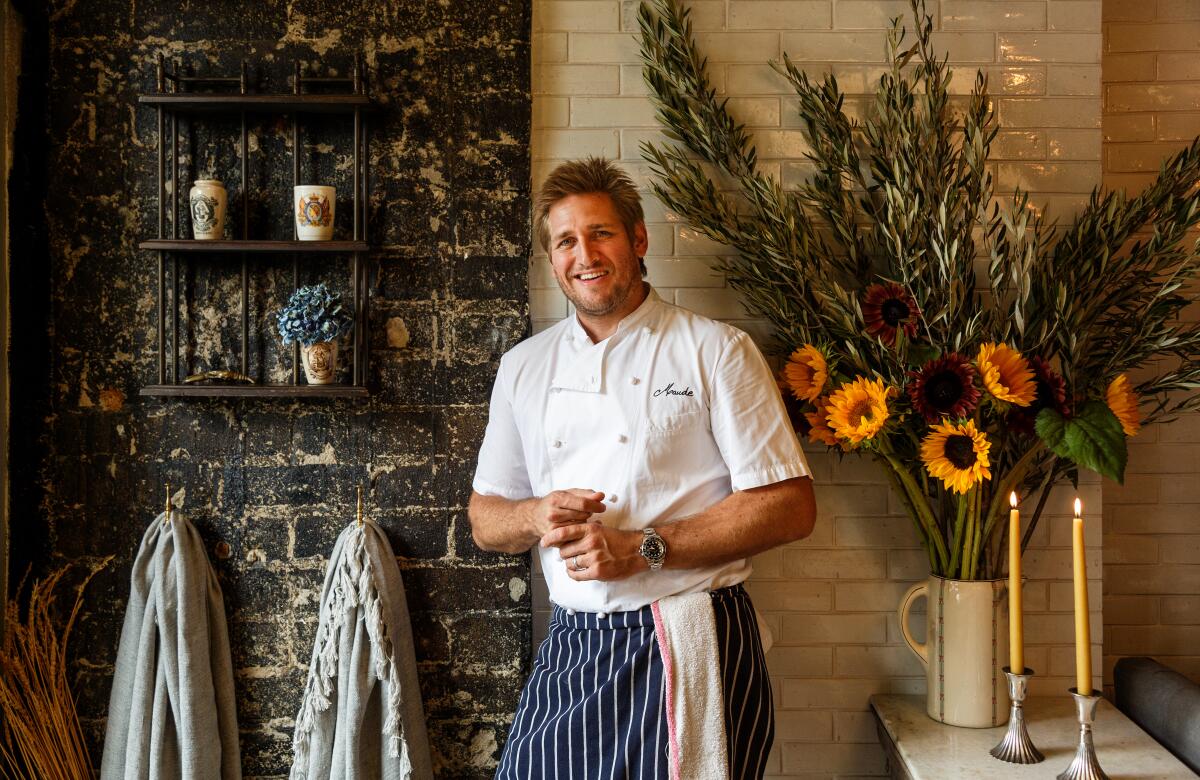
584	177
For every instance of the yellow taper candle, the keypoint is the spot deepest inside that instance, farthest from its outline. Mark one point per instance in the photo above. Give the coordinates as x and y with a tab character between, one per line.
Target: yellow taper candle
1083	633
1016	629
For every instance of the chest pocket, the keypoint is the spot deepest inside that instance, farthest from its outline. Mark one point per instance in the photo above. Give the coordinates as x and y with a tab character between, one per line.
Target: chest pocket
675	421
678	444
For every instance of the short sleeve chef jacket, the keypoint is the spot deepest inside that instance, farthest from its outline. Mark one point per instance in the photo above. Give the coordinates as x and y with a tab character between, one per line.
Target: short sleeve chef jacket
667	416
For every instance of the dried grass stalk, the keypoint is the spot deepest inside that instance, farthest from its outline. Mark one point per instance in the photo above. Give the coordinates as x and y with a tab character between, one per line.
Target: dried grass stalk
41	736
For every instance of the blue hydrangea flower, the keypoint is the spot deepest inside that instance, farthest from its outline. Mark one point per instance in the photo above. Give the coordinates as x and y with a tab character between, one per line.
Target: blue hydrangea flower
313	314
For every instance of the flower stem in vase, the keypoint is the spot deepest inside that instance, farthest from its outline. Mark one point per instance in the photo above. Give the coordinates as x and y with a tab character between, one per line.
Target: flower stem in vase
956	545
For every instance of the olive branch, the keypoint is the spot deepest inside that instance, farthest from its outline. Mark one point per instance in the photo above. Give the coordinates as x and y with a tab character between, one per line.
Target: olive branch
905	195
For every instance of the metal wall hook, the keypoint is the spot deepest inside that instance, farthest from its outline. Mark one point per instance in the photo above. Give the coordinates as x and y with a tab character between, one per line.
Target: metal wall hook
360	507
167	511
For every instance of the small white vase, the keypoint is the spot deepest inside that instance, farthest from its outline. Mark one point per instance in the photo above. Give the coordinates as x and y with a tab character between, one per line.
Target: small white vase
966	645
314	210
320	362
206	203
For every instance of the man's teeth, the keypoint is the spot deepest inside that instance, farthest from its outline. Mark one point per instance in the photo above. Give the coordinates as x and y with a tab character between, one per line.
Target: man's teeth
591	275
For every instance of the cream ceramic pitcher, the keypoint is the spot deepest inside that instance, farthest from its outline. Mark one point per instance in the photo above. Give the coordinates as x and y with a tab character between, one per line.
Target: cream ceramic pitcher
966	644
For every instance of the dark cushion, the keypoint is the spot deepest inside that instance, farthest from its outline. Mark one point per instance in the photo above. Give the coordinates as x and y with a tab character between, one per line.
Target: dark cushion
1164	703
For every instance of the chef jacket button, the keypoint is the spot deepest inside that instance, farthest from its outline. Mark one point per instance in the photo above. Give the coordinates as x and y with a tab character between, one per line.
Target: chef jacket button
612	499
570	611
622	438
649	331
634	381
557	444
602	615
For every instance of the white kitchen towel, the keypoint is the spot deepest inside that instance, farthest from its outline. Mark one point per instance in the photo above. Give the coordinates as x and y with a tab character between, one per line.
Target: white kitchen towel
686	628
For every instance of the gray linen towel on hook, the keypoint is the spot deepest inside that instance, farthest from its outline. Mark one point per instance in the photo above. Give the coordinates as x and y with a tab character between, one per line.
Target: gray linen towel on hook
172	714
361	718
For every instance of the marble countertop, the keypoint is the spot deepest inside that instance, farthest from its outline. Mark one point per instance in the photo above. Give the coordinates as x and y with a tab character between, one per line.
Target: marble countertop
935	751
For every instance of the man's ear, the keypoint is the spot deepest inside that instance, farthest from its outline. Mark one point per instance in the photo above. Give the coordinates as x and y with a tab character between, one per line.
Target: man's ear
641	242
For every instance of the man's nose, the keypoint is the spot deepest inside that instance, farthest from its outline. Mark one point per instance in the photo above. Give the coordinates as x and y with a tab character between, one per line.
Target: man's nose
585	249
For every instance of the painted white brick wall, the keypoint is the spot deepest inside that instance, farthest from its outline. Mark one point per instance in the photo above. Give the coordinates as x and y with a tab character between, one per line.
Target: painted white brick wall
831	599
1152	524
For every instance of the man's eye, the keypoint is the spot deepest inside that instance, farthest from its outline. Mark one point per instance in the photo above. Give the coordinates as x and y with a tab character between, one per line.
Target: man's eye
565	243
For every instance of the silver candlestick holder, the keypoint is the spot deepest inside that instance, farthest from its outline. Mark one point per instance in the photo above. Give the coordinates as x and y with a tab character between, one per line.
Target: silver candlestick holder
1085	766
1017	747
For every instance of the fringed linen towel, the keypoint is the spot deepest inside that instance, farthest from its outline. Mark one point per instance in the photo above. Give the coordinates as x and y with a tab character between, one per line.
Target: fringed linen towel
172	714
361	717
686	629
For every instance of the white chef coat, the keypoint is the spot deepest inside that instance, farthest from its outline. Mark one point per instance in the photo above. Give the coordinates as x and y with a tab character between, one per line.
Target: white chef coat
667	416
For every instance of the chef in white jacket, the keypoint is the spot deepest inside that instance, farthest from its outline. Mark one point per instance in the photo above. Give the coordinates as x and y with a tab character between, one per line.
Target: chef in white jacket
644	451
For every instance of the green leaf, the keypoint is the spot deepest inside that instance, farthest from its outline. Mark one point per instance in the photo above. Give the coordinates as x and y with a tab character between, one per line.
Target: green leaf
920	354
1093	438
1052	429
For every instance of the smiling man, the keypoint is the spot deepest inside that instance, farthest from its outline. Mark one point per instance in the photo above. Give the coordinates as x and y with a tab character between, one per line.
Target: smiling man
644	451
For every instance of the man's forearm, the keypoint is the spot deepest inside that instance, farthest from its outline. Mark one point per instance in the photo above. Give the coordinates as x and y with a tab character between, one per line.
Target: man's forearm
743	524
499	524
504	525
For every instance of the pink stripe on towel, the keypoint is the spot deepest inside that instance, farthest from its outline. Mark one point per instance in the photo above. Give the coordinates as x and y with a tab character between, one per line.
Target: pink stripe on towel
660	631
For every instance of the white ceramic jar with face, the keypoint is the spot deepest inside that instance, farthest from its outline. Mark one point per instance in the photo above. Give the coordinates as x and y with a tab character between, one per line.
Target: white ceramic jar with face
206	204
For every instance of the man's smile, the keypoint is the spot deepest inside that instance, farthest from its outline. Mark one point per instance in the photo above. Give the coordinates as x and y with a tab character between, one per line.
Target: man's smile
591	276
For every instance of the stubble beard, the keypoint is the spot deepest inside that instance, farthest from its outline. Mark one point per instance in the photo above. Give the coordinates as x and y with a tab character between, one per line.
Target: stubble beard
602	307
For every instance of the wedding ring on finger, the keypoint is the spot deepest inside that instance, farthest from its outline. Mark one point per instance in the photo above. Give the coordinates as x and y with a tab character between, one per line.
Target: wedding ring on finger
575	564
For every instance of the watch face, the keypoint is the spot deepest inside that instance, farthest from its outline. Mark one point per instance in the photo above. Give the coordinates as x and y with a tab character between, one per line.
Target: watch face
653	548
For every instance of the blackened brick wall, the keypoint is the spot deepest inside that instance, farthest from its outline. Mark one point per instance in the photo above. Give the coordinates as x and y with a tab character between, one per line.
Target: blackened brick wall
275	481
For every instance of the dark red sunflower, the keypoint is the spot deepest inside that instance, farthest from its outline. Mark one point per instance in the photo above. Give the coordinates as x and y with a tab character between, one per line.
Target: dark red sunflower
944	388
887	308
1051	393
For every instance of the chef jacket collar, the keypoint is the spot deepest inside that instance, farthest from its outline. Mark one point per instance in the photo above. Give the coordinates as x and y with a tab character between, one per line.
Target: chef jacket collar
586	372
636	317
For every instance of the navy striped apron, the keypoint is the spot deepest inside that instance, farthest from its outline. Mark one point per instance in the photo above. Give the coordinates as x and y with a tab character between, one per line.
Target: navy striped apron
593	708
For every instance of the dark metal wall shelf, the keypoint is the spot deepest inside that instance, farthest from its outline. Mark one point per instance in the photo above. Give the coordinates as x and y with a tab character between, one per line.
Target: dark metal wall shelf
174	250
255	247
268	391
307	104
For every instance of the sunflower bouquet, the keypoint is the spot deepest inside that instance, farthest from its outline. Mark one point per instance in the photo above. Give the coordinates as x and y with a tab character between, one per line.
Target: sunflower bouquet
963	389
934	434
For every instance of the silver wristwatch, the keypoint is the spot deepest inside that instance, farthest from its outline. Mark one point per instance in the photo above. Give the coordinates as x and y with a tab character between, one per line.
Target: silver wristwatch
653	548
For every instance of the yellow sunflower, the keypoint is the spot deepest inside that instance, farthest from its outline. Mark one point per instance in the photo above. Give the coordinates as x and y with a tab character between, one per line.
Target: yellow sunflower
806	373
857	410
957	455
1006	375
1124	404
820	432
